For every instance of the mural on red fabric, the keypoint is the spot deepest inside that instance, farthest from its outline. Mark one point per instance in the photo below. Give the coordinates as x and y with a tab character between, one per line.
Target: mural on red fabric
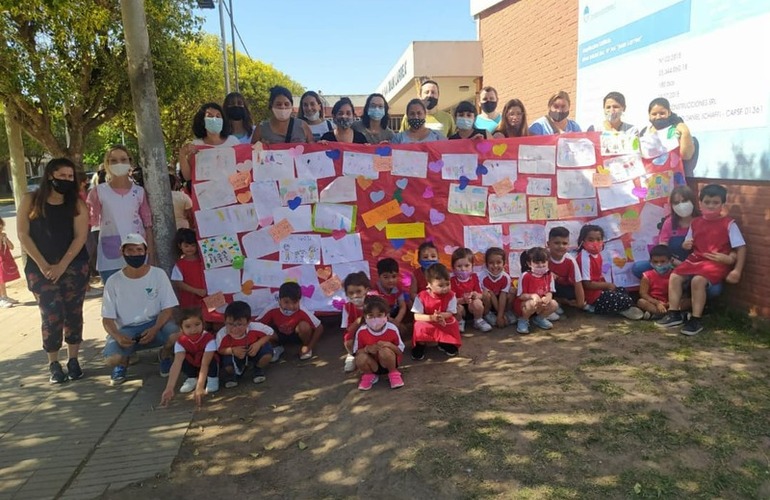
314	213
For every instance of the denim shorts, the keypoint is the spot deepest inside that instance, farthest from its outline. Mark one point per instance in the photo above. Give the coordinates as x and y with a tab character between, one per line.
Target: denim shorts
111	347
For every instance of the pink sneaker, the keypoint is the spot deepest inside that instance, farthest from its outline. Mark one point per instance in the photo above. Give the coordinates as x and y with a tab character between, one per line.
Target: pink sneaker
367	381
396	380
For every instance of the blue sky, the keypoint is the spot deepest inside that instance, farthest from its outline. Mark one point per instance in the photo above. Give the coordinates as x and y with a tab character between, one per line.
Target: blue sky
341	46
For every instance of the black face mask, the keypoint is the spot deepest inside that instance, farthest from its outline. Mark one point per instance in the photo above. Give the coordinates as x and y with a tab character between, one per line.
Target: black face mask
489	106
430	102
63	186
661	123
236	113
558	116
135	261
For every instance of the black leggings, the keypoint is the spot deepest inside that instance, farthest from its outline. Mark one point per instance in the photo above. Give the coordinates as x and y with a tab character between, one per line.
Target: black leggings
613	301
193	371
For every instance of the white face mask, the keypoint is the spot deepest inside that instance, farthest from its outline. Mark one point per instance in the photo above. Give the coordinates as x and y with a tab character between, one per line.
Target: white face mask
120	169
282	114
313	117
683	209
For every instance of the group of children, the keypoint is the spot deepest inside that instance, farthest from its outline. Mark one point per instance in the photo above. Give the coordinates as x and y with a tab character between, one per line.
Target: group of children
374	319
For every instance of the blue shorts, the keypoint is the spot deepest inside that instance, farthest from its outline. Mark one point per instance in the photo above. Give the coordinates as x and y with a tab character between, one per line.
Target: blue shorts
239	365
111	347
565	292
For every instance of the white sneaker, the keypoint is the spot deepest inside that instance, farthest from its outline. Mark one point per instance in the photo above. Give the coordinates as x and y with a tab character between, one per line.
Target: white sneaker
560	311
510	318
231	383
188	385
350	363
212	384
480	324
633	313
277	353
5	304
490	318
306	356
553	317
462	325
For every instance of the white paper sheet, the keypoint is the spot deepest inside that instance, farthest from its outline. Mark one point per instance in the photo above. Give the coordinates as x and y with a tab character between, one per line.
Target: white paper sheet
610	224
514	266
573	226
301	219
469	201
259	243
409	163
214	194
300	249
458	165
578	183
316	165
226	220
358	164
575	152
526	236
537	159
481	238
304	189
273	165
263	273
214	163
498	170
539	186
618	195
224	279
346	249
333	216
511	207
624	168
219	251
265	197
260	300
339	190
618	143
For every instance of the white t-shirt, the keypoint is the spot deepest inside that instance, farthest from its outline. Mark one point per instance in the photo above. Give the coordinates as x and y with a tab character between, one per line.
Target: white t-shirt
135	301
229	142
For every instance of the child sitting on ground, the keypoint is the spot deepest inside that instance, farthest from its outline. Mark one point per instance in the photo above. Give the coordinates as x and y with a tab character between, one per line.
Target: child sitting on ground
195	356
711	238
496	286
241	343
434	315
466	287
565	270
535	293
378	346
388	287
427	255
653	290
292	323
356	286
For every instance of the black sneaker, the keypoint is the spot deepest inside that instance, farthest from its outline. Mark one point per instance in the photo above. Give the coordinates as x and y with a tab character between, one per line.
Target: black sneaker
692	327
418	352
73	369
673	318
448	349
57	374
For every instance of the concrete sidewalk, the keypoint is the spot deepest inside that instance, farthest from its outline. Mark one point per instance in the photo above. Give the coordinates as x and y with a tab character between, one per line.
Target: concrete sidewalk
82	438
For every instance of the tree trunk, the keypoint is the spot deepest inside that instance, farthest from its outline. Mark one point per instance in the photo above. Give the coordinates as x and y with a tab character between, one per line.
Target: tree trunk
16	153
149	132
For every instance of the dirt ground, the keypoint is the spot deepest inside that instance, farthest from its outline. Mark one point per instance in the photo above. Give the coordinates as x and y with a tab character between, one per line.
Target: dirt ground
595	408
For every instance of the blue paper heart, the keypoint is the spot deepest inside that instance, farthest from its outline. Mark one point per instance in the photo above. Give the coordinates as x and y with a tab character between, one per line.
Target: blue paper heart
482	170
401	183
397	243
377	196
333	154
383	150
463	182
660	160
679	179
294	202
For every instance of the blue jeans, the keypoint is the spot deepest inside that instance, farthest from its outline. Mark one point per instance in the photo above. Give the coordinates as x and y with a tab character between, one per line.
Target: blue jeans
111	347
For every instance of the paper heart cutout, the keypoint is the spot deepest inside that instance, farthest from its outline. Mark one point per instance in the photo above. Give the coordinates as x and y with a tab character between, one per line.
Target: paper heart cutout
383	150
484	147
499	149
296	151
247	287
324	273
338	234
606	267
482	170
410	257
398	196
449	249
338	304
334	154
266	221
407	209
478	259
376	248
463	182
660	160
243	197
363	182
307	290
619	262
436	166
428	193
402	183
679	179
294	202
377	196
506	240
238	262
639	192
397	243
436	217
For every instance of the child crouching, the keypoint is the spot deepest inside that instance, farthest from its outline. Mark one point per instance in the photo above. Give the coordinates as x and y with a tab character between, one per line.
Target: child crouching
378	346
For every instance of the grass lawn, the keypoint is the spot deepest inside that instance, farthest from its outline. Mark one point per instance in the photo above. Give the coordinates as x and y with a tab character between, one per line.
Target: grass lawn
595	408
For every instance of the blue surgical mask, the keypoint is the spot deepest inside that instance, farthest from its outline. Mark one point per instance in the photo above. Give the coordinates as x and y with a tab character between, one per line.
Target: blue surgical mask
465	123
663	269
376	113
425	264
135	261
213	124
287	312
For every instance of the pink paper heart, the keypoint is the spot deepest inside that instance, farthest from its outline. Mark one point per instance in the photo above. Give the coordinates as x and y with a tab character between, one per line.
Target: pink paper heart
639	192
338	304
449	249
436	217
338	234
307	290
506	239
436	166
265	221
428	193
407	209
484	147
296	151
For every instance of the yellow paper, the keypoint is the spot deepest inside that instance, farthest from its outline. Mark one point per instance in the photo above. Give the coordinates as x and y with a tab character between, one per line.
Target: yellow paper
381	213
405	231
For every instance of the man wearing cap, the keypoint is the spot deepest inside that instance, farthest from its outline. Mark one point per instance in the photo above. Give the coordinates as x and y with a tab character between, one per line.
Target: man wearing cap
137	311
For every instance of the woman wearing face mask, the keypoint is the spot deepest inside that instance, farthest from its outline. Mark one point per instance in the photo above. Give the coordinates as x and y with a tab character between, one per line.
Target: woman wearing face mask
375	120
663	120
118	207
514	122
465	117
344	118
282	127
52	225
311	110
489	117
238	115
417	131
210	128
556	121
614	106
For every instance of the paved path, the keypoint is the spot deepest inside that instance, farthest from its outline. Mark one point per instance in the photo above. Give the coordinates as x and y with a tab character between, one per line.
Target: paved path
85	437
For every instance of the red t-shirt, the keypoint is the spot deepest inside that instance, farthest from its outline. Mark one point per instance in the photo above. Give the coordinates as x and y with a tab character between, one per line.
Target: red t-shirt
285	325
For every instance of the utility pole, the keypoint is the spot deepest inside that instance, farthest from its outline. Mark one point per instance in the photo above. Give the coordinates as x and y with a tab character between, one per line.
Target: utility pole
232	37
16	149
152	151
224	44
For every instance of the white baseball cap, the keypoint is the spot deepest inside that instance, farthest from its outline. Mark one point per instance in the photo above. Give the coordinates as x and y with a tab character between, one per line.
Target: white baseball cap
133	239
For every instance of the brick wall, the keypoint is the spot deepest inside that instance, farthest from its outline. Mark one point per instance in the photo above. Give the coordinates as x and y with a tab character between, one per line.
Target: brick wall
749	204
529	49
